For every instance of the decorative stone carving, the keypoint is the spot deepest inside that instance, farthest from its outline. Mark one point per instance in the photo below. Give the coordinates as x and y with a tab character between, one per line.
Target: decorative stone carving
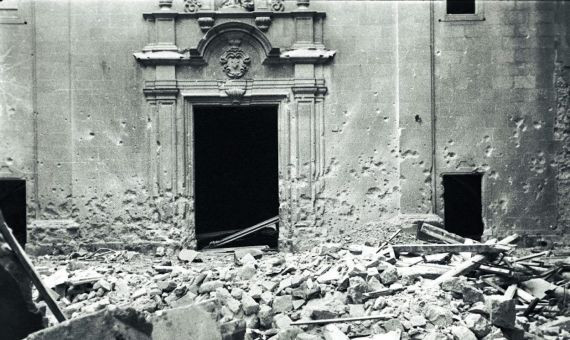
165	4
192	6
234	90
263	23
246	4
206	23
303	4
235	62
277	5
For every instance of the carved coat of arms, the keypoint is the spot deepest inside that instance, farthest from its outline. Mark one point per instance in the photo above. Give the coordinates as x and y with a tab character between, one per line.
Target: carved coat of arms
235	62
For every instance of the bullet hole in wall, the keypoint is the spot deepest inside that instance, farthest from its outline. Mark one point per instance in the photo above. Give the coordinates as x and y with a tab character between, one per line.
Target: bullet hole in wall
418	119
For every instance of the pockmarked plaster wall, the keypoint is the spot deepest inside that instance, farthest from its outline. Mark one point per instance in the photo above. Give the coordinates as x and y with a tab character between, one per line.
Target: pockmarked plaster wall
75	125
501	105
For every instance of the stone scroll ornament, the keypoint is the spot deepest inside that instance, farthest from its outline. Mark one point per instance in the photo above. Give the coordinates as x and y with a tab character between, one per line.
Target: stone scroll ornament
235	62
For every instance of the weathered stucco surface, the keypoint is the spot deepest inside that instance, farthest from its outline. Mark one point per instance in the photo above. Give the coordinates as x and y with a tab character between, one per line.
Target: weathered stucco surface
75	122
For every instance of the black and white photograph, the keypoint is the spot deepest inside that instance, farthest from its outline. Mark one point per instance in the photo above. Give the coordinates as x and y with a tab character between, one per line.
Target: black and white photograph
284	169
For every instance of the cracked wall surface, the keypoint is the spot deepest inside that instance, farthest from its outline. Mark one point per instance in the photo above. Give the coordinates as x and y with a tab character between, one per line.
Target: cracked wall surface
75	126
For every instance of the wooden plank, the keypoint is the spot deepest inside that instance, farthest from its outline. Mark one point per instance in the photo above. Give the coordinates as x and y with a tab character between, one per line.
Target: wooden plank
511	292
339	320
29	269
440	234
449	248
471	264
385	243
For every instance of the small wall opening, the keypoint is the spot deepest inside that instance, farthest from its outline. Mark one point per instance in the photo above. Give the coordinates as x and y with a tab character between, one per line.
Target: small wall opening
235	172
13	206
460	6
462	200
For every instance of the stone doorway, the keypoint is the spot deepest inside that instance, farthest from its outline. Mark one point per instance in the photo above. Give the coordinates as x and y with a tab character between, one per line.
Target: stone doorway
236	172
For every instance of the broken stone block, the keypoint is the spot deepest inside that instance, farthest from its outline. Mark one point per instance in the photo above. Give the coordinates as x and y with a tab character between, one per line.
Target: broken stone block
389	275
417	320
439	316
307	336
356	310
433	335
249	305
462	333
269	285
330	248
478	324
472	295
392	335
18	314
281	321
501	311
248	253
188	255
282	304
210	286
454	284
234	330
355	249
289	333
108	324
247	271
357	288
265	315
332	332
330	276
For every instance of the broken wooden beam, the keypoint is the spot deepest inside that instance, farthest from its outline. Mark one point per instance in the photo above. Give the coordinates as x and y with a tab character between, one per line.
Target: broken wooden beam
450	248
470	264
439	234
270	223
29	269
531	256
385	243
340	320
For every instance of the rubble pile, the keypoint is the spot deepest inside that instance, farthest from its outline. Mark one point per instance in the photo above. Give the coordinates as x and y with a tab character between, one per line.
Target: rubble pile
446	290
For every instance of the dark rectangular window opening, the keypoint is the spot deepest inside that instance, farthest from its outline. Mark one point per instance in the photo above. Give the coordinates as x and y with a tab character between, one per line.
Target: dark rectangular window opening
13	206
463	204
460	6
235	173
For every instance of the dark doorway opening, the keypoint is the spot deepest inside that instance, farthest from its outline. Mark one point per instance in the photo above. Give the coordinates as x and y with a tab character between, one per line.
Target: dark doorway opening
235	172
460	6
462	204
13	206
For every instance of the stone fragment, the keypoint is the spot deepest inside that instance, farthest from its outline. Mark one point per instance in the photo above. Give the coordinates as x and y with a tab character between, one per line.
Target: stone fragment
356	310
250	253
289	333
330	276
355	249
249	305
417	320
478	324
282	304
462	333
357	288
332	332
374	284
255	292
266	298
112	323
210	286
265	315
439	316
307	336
389	275
106	285
434	335
330	248
188	255
472	295
167	286
173	324
454	284
501	311
247	271
281	321
269	285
